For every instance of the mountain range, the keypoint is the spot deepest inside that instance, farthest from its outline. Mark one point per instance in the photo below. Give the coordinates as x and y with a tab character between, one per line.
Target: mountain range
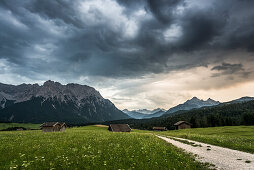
144	113
234	113
190	104
193	103
76	104
52	101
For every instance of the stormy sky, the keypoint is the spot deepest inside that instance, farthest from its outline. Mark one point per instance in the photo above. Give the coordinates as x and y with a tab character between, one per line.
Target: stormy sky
137	53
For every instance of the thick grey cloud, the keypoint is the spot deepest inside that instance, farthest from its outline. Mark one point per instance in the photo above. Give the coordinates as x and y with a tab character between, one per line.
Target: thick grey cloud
163	9
121	38
230	69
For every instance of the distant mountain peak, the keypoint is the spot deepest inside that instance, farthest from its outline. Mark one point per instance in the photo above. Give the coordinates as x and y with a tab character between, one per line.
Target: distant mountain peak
144	113
195	98
192	104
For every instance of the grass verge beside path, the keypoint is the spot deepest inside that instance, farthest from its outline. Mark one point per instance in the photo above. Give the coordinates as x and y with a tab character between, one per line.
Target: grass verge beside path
234	137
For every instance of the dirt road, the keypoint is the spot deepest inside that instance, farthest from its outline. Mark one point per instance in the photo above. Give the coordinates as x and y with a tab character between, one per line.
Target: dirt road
222	158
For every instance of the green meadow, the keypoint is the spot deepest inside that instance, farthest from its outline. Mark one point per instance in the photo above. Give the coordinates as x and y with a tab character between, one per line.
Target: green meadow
25	125
90	147
94	147
234	137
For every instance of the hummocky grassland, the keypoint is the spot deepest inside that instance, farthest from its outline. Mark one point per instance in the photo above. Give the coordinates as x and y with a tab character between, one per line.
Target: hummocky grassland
25	125
90	147
234	137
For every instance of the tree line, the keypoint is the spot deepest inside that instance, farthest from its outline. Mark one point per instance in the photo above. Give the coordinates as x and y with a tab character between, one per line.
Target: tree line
220	115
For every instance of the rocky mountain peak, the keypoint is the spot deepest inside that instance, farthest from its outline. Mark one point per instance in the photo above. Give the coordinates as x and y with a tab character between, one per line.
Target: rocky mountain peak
51	83
194	100
211	101
193	103
197	100
49	89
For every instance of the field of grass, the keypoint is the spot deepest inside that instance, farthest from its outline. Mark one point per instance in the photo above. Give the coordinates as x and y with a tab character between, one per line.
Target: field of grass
25	125
234	137
90	148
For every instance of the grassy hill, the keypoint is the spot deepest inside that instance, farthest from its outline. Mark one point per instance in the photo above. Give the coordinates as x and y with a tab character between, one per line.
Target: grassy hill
90	147
234	137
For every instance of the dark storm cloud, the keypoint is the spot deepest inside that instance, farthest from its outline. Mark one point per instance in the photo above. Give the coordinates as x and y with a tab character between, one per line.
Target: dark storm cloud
199	28
57	9
80	38
230	69
163	9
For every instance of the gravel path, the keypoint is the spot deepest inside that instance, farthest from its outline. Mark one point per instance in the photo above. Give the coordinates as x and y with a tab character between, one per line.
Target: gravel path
222	158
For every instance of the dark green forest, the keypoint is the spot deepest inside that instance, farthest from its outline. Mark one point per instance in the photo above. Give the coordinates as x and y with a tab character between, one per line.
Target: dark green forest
220	115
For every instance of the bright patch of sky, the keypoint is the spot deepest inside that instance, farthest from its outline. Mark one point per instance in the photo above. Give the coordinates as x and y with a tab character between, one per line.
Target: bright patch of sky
173	33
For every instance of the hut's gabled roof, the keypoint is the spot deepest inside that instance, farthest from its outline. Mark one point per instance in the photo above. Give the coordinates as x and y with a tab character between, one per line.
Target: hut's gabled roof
62	124
52	124
181	122
119	128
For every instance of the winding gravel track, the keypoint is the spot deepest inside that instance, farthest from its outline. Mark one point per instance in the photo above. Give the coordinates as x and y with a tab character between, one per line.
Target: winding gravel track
222	158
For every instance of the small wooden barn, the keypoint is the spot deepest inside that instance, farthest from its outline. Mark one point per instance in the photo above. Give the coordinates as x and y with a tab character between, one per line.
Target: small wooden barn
53	126
160	128
119	128
182	125
21	129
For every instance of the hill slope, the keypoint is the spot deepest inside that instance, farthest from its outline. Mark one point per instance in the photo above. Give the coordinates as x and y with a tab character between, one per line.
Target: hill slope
241	100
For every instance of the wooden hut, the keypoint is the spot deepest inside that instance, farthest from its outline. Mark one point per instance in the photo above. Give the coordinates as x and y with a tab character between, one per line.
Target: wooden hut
119	128
182	125
160	128
20	129
53	126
